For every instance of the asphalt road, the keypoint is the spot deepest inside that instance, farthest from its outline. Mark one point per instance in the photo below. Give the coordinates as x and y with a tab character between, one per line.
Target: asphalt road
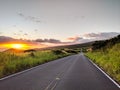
74	72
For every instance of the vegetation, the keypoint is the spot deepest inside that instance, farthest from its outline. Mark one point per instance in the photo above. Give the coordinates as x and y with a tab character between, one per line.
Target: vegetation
105	43
74	46
14	62
106	54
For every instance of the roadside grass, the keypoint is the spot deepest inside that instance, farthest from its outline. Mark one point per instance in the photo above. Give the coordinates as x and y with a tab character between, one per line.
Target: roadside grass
108	60
14	62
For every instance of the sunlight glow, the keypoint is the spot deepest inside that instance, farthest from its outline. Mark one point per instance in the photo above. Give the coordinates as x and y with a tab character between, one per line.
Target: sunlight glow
16	46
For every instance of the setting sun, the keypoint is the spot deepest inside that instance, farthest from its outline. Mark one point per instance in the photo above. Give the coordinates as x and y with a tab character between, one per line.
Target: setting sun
16	46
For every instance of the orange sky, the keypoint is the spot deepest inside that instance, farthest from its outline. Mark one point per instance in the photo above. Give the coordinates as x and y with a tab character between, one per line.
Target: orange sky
21	45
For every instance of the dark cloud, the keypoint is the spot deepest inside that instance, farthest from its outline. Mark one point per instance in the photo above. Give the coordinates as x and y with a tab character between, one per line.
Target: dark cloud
109	35
20	14
34	19
48	40
30	18
74	38
100	36
6	39
92	37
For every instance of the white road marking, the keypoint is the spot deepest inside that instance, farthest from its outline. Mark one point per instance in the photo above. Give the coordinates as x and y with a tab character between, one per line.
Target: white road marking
15	74
105	73
54	86
53	83
18	73
57	78
49	85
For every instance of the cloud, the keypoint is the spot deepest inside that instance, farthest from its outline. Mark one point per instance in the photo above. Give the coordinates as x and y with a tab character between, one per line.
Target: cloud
30	18
48	40
92	37
40	43
20	14
76	38
6	39
100	36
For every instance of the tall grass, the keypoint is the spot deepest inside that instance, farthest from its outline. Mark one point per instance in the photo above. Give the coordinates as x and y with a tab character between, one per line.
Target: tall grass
109	60
11	62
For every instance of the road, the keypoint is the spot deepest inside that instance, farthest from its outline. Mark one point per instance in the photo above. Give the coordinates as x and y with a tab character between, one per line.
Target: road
74	72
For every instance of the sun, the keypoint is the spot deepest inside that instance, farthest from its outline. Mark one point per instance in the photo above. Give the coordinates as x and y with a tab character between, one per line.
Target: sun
17	46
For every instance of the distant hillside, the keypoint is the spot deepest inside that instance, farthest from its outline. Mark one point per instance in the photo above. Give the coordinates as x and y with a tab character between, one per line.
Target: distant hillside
83	45
12	50
78	45
106	43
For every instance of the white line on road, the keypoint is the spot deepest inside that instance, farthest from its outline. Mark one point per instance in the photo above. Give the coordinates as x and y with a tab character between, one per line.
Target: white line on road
54	86
18	73
105	73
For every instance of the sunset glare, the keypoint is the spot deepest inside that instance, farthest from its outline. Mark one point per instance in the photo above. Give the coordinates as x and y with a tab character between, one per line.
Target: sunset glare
16	46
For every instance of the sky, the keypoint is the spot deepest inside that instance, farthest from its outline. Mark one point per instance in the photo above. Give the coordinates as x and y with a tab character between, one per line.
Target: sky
60	20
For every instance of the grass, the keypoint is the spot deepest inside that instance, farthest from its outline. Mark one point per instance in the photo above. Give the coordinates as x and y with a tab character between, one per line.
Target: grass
109	60
14	62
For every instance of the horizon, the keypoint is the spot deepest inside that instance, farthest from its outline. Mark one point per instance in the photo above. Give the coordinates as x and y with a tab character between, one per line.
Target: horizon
44	23
19	44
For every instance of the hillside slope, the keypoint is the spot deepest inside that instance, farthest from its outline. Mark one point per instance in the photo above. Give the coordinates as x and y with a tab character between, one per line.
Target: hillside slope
106	54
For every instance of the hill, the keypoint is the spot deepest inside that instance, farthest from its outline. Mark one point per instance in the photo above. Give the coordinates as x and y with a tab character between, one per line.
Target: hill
104	44
74	46
106	54
12	50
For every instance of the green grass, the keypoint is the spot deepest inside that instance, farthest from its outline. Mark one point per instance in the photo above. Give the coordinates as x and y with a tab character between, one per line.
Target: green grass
109	60
14	62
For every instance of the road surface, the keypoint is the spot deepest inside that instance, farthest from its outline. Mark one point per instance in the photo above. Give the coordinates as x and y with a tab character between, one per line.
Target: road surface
74	72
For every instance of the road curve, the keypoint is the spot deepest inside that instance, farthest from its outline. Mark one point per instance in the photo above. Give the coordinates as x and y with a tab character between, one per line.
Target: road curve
74	72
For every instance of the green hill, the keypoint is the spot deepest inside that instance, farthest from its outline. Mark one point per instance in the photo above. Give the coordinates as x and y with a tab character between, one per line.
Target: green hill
106	43
106	54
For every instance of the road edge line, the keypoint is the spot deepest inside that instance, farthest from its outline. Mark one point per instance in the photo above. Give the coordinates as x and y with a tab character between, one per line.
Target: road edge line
18	73
26	70
105	73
